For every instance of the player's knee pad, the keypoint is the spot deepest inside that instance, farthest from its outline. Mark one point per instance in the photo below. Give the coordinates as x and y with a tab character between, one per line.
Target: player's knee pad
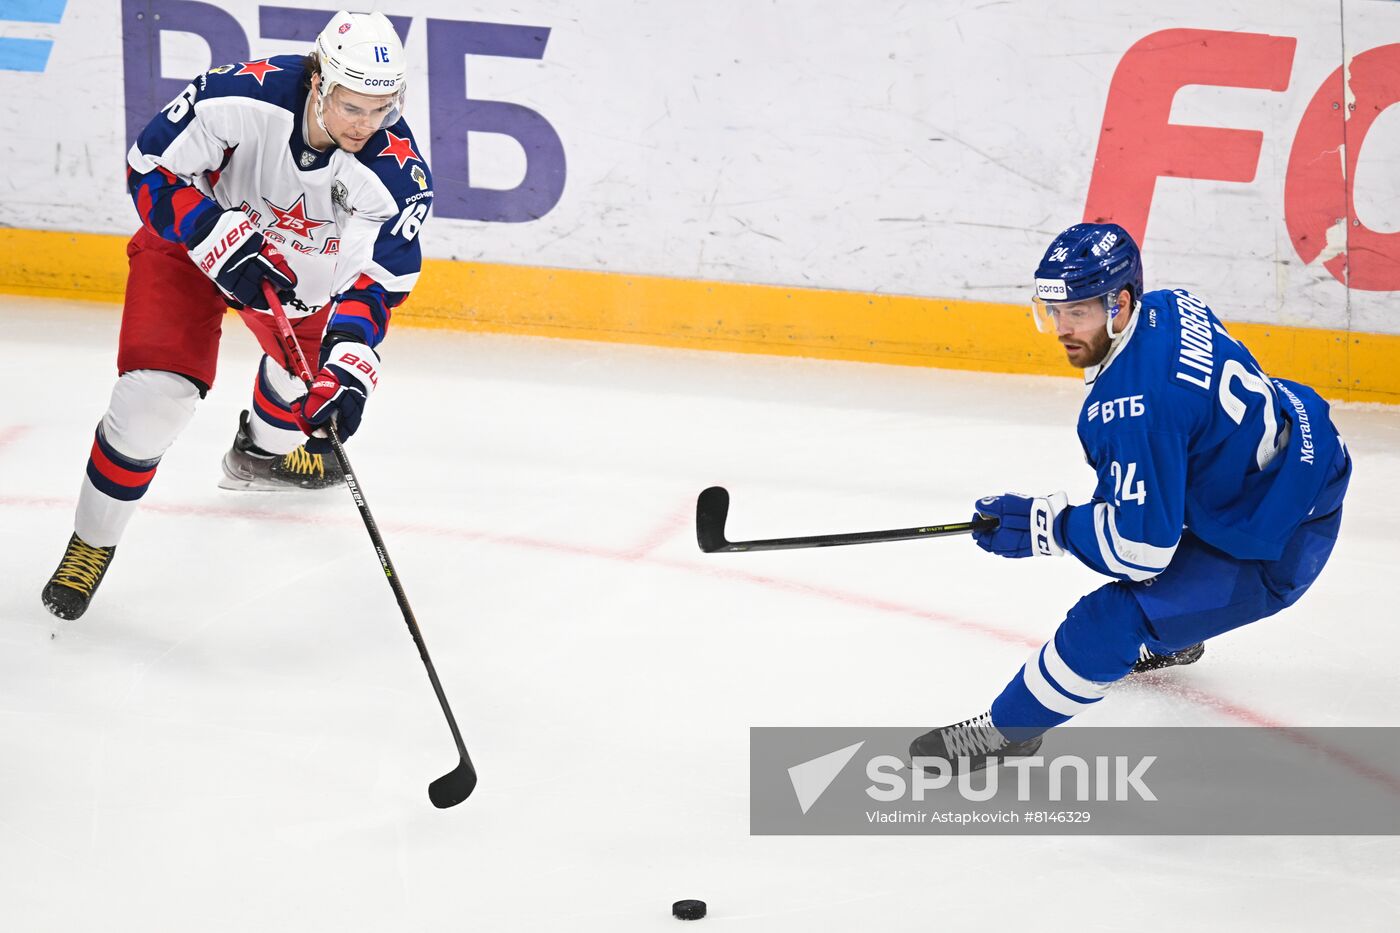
286	387
148	410
271	424
1102	633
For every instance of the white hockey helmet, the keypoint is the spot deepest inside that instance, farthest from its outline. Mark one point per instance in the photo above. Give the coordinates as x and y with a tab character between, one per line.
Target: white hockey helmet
362	53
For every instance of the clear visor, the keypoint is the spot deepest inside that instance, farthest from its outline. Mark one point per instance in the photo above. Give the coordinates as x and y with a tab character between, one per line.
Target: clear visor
1075	314
362	113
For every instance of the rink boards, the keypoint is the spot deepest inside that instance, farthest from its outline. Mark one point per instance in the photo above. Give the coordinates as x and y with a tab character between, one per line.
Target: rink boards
867	183
672	312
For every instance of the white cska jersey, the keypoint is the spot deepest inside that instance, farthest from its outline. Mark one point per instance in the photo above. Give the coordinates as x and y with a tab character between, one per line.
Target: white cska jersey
347	222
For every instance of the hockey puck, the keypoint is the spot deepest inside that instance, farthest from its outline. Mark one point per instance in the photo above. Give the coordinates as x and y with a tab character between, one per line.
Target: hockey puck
688	910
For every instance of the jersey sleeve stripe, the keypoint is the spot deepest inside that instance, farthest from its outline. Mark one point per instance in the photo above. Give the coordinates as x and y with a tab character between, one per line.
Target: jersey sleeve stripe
169	208
1103	520
1138	553
365	309
390	281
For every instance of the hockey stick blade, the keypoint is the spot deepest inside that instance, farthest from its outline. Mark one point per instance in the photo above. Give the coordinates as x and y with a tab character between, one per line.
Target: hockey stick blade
457	785
453	787
711	511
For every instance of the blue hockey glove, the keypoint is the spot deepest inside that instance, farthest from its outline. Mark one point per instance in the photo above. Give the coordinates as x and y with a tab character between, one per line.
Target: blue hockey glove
349	373
237	257
1028	525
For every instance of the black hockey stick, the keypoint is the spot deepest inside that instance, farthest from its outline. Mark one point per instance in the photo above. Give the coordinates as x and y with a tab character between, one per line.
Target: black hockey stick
455	786
712	509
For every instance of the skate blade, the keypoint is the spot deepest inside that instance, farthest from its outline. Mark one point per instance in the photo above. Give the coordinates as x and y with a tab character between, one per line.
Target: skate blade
255	485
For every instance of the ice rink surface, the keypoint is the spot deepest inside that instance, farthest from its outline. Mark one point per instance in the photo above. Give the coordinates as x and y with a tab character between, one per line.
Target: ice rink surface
239	735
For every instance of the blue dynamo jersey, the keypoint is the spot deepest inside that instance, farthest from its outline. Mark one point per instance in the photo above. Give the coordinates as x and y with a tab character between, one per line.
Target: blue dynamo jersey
1185	431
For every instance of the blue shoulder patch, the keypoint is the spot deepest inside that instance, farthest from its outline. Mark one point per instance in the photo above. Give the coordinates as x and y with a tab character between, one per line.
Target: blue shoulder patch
392	154
276	80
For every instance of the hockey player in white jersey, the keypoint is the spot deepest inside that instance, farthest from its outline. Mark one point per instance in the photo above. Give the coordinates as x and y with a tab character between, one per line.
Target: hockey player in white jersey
296	171
1218	496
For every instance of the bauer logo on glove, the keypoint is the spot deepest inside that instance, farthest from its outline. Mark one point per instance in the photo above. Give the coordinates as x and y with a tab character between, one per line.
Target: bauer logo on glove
228	241
351	360
239	260
340	390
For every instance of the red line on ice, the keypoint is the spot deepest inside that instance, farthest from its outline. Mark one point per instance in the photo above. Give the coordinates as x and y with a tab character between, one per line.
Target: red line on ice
660	535
642	554
12	433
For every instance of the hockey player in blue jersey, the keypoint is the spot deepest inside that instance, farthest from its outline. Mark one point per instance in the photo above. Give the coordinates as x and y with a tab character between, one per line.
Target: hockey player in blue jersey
295	171
1217	503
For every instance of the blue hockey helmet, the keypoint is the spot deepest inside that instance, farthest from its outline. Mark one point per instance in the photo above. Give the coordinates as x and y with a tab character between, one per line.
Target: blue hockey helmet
1087	261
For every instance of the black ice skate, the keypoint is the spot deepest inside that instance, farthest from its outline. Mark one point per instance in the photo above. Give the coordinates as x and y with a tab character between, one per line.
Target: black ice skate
977	740
1148	661
70	589
247	466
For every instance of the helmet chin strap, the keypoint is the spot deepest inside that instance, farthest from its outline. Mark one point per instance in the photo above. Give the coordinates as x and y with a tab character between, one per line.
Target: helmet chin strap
1115	336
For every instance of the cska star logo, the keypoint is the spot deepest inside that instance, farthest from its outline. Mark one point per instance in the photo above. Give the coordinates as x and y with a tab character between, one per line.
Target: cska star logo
401	148
259	69
294	220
